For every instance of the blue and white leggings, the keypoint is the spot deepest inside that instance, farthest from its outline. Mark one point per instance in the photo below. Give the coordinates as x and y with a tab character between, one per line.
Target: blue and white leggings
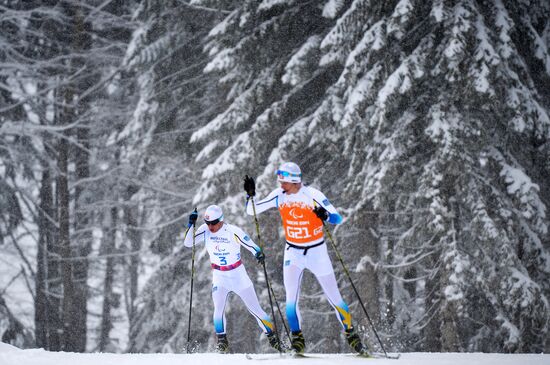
318	262
236	281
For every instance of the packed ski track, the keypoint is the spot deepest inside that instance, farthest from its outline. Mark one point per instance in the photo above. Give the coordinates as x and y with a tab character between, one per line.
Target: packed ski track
10	355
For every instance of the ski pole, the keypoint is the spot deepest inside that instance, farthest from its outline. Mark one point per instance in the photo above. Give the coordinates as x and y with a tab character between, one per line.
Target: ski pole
333	243
269	288
191	290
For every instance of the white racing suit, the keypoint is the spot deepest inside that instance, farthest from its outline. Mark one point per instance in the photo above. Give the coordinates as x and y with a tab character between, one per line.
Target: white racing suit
228	272
305	248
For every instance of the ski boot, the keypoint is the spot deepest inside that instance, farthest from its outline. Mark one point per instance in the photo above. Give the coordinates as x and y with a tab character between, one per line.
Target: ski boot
222	346
275	342
355	342
297	344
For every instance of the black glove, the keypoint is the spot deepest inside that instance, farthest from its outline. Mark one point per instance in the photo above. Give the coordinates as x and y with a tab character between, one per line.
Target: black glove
321	212
260	257
193	218
249	186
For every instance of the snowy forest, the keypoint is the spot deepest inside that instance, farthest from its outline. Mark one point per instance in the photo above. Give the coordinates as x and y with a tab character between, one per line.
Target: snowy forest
425	122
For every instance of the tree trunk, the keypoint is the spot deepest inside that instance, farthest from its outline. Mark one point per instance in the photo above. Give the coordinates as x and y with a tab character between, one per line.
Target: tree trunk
84	238
130	214
75	267
106	323
389	288
69	334
432	303
371	288
451	338
362	243
44	313
54	280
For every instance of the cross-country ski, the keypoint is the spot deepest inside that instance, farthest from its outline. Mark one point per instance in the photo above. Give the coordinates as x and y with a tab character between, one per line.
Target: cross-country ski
286	356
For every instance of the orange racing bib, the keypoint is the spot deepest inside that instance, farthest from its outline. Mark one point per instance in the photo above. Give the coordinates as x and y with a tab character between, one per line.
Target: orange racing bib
302	226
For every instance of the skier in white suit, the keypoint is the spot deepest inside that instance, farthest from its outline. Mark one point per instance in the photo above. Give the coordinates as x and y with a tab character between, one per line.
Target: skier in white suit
223	242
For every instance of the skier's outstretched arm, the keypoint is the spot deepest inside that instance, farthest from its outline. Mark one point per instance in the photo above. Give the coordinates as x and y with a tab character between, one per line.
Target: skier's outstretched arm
270	201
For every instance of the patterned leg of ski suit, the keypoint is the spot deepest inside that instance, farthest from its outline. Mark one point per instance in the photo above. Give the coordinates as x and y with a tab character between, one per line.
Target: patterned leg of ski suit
318	262
236	281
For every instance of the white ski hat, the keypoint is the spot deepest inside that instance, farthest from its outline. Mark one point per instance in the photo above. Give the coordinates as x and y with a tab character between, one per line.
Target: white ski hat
289	172
213	213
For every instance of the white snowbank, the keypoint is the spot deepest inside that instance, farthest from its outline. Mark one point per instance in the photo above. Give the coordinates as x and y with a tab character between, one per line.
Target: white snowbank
10	355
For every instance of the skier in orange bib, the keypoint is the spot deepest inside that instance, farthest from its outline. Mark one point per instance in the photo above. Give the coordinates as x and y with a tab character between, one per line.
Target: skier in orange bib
303	210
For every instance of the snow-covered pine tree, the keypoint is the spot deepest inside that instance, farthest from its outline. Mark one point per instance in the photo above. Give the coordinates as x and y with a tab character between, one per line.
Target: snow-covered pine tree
434	105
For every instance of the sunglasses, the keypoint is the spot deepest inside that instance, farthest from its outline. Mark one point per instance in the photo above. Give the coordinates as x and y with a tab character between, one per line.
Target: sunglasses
286	174
212	223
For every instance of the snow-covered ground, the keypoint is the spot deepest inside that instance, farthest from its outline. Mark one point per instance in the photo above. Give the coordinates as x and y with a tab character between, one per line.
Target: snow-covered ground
10	355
